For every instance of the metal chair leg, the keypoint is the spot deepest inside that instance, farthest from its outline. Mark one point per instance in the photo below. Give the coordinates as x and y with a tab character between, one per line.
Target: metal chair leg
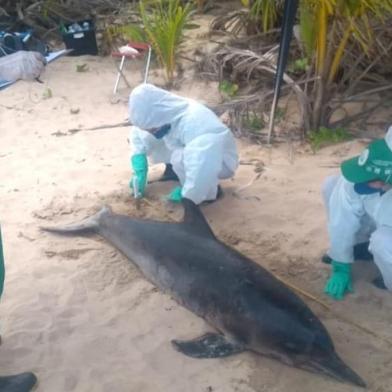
119	74
147	64
121	67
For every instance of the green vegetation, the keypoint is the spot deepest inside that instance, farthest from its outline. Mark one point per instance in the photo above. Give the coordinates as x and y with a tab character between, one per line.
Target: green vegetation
228	89
264	13
47	94
253	122
329	28
82	67
325	136
298	65
163	23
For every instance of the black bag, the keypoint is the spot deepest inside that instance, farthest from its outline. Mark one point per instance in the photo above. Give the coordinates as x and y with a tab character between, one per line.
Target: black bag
10	43
13	42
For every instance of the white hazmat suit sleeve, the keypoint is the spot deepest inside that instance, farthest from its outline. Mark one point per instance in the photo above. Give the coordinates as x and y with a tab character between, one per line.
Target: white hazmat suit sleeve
143	142
345	211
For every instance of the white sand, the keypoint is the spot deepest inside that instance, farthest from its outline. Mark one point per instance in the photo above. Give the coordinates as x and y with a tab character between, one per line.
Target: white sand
81	316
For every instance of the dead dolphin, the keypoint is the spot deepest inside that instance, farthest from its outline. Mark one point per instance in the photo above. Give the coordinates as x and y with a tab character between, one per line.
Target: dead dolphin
249	307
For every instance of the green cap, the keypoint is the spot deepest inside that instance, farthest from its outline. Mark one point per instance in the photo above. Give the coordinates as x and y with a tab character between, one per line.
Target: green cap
375	162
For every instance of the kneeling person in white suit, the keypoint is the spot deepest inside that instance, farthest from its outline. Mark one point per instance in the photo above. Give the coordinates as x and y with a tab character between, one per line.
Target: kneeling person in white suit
359	205
197	148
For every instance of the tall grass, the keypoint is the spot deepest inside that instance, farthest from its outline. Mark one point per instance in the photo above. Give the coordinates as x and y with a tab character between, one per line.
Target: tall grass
264	13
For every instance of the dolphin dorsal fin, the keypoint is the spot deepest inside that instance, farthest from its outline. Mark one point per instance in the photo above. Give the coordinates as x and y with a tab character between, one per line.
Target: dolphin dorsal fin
194	217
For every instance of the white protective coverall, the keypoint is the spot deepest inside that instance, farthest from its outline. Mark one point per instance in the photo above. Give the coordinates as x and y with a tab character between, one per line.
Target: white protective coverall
199	146
354	218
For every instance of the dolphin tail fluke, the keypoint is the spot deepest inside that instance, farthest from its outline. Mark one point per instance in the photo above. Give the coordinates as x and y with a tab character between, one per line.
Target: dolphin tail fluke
210	345
336	368
88	225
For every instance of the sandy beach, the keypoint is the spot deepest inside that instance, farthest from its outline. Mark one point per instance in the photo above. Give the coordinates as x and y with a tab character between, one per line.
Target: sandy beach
81	316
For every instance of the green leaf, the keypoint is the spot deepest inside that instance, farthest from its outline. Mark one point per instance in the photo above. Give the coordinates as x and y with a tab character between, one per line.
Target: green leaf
192	26
307	28
227	88
164	24
82	67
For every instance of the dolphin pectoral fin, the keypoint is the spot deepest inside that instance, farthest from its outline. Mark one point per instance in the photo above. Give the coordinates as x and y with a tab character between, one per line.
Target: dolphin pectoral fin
210	345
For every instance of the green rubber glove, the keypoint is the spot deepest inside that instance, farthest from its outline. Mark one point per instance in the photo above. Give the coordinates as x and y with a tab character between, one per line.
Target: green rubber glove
175	195
140	168
339	283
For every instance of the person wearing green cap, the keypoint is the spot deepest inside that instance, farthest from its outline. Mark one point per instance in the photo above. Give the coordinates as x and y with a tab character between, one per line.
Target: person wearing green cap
359	209
22	382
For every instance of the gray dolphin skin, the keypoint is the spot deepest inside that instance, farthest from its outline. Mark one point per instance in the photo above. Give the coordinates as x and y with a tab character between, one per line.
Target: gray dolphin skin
247	305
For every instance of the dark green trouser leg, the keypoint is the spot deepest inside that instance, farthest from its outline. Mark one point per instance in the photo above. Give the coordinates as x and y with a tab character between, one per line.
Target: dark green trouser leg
22	382
2	270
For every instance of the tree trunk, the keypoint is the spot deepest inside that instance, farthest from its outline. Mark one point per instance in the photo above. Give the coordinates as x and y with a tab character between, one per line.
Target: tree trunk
318	104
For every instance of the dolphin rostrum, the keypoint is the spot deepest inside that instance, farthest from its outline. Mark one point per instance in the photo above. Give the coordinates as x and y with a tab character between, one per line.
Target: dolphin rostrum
247	305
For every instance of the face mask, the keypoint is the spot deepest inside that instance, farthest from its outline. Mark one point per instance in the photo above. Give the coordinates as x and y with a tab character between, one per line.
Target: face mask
364	189
162	131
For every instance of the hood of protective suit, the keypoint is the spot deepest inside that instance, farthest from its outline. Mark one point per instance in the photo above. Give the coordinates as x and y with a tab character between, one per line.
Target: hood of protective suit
151	107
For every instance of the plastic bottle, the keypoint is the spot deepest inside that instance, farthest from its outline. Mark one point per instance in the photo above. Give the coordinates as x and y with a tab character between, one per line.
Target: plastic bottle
63	28
77	27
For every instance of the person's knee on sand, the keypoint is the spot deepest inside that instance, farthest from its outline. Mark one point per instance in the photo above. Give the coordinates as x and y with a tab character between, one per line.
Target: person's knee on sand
380	246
